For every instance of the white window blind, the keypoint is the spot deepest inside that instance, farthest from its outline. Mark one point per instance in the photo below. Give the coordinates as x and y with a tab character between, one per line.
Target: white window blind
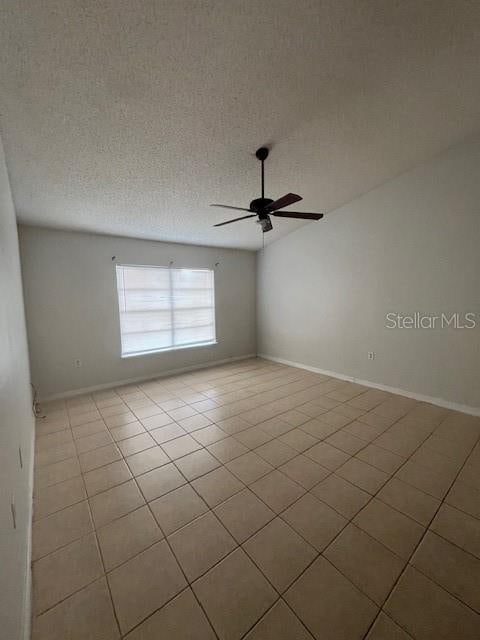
163	308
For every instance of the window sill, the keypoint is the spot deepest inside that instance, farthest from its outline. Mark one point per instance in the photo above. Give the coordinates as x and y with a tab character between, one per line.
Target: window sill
168	349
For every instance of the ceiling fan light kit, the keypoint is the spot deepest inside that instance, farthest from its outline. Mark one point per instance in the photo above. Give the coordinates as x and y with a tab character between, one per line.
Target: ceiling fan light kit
262	208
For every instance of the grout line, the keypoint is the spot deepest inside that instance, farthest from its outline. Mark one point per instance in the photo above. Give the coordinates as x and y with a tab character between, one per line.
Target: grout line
183	373
277	515
99	551
124	459
167	602
454	544
94	533
276	601
305	491
465	604
62	600
181	569
427	528
349	521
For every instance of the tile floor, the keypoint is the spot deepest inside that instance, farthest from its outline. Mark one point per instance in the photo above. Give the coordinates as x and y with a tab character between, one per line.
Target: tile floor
256	501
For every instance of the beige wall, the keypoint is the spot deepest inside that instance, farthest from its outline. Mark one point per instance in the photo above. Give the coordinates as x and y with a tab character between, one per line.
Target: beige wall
16	430
72	310
412	244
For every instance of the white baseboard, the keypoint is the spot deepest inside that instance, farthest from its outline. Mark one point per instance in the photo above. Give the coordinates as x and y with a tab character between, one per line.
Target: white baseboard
440	402
27	599
163	374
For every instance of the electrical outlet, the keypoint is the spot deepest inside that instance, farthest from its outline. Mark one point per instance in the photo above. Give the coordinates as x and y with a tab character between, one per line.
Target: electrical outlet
77	362
371	355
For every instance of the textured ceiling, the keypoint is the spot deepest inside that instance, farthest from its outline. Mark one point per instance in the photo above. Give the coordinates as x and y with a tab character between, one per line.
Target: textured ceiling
130	117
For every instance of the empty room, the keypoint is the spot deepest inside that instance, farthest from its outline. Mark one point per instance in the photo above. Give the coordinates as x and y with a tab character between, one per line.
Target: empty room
240	320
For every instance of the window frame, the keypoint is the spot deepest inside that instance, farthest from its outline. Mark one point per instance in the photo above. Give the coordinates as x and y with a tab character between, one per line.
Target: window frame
190	345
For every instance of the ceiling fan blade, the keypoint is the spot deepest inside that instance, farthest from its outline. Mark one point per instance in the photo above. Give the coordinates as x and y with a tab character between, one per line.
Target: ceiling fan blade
284	201
227	206
298	214
220	224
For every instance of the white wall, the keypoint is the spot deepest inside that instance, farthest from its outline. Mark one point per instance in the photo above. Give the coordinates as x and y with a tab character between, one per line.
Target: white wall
412	244
72	310
16	430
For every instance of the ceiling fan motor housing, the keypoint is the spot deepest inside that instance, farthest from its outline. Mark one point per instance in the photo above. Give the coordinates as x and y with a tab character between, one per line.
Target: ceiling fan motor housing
259	204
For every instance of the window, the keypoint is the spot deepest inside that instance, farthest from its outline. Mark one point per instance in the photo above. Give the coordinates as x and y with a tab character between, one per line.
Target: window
164	308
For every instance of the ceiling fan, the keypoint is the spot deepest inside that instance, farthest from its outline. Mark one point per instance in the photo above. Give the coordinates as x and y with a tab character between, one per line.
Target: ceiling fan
262	208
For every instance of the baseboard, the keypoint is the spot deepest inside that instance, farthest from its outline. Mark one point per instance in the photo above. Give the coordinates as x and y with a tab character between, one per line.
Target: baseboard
163	374
27	600
440	402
